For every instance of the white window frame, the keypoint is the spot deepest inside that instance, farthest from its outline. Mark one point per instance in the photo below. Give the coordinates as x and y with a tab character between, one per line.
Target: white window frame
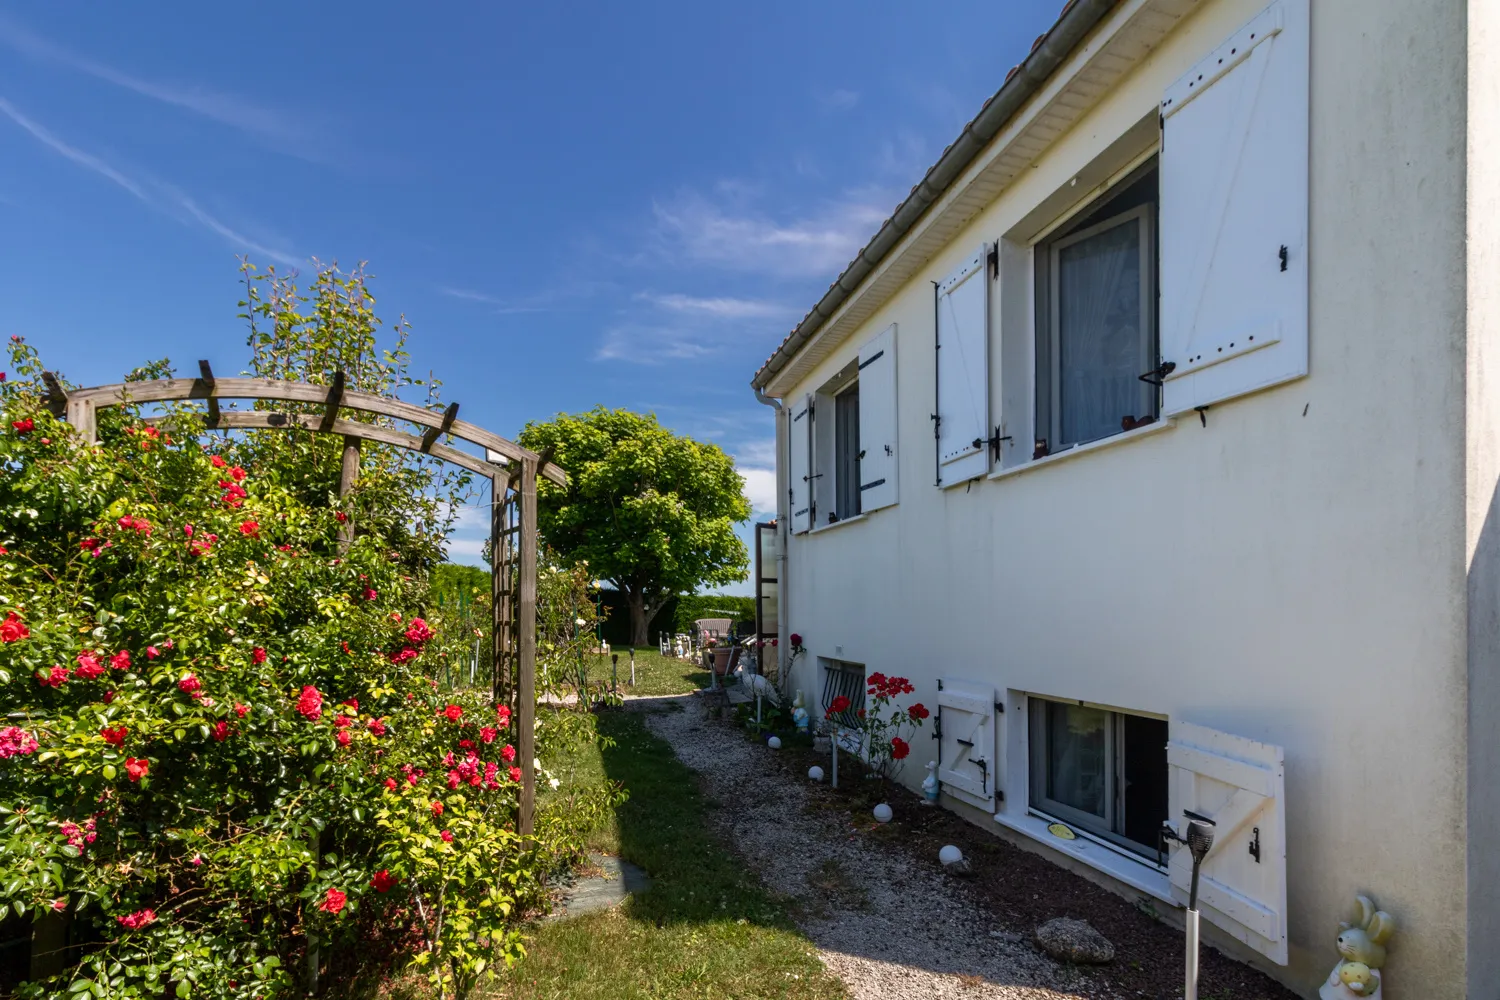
1108	830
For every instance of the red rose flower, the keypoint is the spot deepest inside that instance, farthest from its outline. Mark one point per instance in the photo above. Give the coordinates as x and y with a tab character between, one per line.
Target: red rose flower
121	660
340	517
218	462
136	769
89	544
56	677
114	736
406	653
453	713
508	753
240	710
838	705
418	632
515	774
390	784
447	836
237	473
899	748
796	639
109	696
383	881
89	666
487	734
16	742
250	529
152	652
502	715
190	685
135	921
437	808
918	711
377	726
13	629
23	426
258	655
310	703
370	594
221	731
343	737
334	901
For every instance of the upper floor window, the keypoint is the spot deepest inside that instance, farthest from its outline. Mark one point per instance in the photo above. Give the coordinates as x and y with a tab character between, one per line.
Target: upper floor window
1096	328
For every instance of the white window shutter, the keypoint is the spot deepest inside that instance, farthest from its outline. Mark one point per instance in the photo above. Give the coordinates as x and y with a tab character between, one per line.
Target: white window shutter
963	377
877	421
799	451
1239	784
1234	181
966	741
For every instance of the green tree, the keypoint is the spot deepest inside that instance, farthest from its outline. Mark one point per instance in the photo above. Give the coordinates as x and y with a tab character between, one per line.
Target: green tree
650	511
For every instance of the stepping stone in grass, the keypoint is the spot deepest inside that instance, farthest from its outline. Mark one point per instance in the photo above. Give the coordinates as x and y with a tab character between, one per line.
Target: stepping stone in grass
616	881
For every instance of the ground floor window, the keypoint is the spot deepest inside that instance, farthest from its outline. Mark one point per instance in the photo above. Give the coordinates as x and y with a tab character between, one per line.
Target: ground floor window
1102	771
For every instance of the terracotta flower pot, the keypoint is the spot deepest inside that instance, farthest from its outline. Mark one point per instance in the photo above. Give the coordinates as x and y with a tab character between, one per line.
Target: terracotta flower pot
721	661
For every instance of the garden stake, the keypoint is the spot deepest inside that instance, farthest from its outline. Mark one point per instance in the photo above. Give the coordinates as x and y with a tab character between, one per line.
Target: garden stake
835	742
1200	840
632	666
614	673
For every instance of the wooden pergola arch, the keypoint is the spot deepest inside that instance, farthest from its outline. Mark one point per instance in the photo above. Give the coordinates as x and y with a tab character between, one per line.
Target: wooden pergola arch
512	471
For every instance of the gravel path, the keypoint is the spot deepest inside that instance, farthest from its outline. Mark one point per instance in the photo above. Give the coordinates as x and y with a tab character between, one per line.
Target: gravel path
888	928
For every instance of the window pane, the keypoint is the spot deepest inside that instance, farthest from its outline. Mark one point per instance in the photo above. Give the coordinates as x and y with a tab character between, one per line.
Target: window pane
847	445
1145	744
1077	763
1099	332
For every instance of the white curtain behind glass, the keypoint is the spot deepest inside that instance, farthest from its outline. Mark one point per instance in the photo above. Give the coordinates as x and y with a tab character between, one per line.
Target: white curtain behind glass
1099	332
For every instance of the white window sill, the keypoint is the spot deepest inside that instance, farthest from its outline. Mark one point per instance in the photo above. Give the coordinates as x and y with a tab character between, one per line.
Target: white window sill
1137	874
838	524
1124	437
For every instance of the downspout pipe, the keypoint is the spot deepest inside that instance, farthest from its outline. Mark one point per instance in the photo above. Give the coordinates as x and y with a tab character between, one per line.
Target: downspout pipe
782	535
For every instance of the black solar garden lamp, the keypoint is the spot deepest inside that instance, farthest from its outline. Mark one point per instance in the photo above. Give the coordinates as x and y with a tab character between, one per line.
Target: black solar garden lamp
1199	841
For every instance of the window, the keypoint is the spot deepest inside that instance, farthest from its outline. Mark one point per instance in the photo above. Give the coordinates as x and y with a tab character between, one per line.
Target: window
1096	329
1104	772
846	452
842	679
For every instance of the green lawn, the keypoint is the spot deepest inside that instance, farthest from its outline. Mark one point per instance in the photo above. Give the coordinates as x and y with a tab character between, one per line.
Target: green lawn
706	929
654	674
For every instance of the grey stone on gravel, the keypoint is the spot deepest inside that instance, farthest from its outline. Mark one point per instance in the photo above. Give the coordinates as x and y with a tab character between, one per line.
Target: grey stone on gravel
1070	940
917	933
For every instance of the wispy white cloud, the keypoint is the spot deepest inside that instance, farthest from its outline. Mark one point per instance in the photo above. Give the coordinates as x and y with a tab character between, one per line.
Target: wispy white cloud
760	453
696	230
838	100
717	307
157	195
760	489
655	344
226	109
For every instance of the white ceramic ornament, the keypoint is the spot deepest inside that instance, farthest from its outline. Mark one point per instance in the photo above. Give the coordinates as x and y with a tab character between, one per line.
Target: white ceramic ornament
815	773
774	742
883	813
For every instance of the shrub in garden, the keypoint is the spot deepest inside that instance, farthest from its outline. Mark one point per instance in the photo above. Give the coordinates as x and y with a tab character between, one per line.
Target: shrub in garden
220	742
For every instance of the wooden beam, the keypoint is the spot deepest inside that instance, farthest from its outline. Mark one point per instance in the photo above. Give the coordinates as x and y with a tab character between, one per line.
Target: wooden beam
348	476
160	390
331	404
499	613
431	434
57	396
206	378
261	420
526	647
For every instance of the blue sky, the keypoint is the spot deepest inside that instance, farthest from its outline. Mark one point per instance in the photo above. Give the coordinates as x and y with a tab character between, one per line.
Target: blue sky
572	204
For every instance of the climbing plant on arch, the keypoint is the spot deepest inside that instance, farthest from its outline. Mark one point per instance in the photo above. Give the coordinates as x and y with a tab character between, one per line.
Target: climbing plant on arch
163	785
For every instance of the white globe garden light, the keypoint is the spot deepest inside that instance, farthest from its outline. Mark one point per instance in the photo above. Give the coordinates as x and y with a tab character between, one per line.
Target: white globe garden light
950	855
815	773
774	742
883	813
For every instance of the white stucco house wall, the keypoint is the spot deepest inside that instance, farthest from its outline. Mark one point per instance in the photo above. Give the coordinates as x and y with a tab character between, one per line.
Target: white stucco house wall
1266	589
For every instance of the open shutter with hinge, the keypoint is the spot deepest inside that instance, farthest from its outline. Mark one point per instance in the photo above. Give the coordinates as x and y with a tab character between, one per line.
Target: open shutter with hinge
966	740
963	409
1234	181
1238	784
877	421
799	451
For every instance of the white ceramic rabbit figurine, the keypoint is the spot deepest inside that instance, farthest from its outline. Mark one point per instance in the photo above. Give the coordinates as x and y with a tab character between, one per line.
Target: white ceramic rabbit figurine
1361	944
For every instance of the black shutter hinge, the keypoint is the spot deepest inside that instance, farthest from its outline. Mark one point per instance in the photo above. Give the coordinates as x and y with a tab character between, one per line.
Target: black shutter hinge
993	260
1283	256
1161	371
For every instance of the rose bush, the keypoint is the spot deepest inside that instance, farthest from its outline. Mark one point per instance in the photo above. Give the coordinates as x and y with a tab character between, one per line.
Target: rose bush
222	749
